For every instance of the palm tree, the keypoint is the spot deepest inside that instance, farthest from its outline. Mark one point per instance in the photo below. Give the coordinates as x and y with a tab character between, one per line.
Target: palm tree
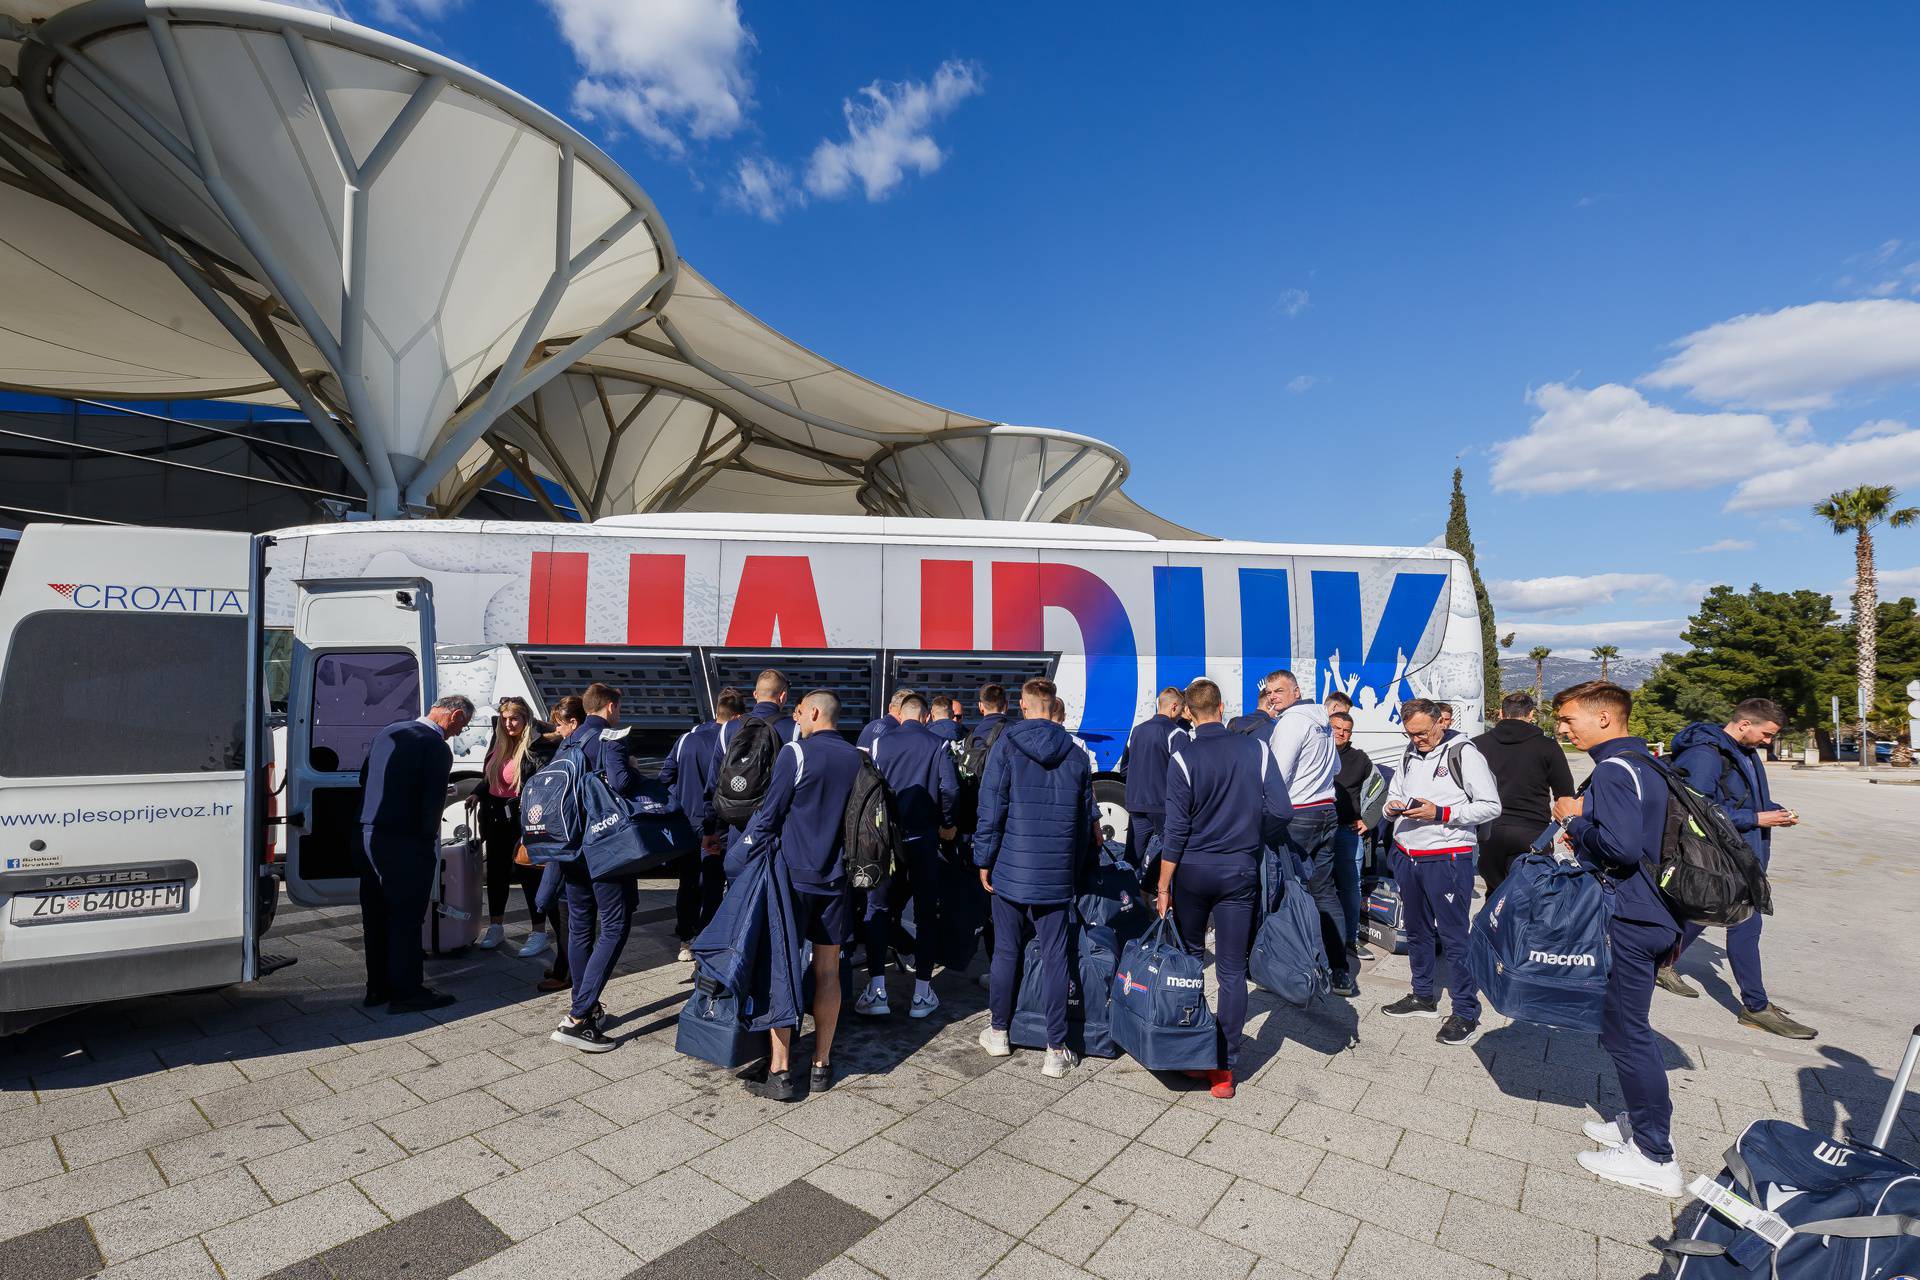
1603	654
1857	511
1539	653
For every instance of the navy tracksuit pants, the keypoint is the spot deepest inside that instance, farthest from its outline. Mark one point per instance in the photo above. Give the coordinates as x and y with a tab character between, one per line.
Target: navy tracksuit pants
1437	894
1010	923
1225	889
1627	1034
1142	828
1743	952
599	917
920	877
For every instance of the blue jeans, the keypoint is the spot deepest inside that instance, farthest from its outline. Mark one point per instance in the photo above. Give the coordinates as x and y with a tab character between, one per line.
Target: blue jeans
1310	836
1010	921
594	946
1347	854
1227	891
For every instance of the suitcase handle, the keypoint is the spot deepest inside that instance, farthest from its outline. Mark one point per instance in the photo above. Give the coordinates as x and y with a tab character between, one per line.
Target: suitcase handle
1902	1079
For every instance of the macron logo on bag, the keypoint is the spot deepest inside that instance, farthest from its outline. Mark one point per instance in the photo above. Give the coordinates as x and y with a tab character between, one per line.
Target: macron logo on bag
1185	982
1576	960
612	819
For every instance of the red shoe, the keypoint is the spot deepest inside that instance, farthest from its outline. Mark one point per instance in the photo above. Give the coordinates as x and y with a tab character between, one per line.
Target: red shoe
1222	1084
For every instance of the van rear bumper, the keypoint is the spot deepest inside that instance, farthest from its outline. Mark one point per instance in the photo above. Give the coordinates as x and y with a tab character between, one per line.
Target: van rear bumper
64	981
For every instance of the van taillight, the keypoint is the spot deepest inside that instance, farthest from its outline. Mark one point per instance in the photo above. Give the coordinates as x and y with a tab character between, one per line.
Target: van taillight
270	838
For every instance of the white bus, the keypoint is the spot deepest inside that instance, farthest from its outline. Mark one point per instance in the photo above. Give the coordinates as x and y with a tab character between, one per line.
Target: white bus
139	670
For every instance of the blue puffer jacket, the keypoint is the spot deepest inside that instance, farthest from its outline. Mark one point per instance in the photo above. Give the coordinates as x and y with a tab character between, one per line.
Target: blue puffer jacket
1036	814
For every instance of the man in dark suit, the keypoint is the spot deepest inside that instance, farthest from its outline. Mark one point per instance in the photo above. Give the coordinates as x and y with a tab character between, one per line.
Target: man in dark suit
406	789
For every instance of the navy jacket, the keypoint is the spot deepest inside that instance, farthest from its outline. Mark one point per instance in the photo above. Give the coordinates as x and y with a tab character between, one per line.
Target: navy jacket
945	730
984	729
1037	814
1737	784
920	772
1149	748
805	813
407	768
1623	821
1253	722
1225	798
605	750
689	771
873	729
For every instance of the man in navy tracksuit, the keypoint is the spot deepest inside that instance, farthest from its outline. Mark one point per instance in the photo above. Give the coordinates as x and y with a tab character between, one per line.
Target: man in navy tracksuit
1226	803
805	814
1037	824
599	912
1149	747
1725	765
404	779
945	723
689	772
883	724
919	771
769	704
1616	826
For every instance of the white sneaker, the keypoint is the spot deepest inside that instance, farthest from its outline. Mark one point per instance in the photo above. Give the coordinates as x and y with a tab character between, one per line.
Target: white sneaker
873	1004
492	937
995	1043
1057	1063
1629	1166
1609	1133
686	952
535	945
923	1005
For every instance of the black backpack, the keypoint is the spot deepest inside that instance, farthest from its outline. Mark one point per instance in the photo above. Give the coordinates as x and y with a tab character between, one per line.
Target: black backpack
1707	874
872	845
745	771
1252	725
970	762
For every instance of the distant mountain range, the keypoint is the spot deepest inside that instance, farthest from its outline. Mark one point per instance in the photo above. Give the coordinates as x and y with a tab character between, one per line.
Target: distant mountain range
1516	671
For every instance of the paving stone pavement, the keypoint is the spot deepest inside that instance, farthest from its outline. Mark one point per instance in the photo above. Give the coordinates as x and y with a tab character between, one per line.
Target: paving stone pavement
280	1130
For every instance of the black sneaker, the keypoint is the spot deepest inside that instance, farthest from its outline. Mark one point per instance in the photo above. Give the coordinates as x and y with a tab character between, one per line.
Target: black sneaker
820	1079
779	1087
1359	950
584	1035
1411	1007
1344	985
1457	1030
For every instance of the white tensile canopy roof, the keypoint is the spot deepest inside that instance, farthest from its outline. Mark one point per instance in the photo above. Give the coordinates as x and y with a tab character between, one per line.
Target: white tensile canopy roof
236	199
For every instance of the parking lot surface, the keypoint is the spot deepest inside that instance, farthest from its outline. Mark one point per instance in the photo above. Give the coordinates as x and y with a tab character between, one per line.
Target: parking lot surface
280	1129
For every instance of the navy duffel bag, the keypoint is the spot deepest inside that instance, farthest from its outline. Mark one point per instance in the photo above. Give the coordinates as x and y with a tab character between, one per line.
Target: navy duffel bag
1159	1013
1090	965
1540	951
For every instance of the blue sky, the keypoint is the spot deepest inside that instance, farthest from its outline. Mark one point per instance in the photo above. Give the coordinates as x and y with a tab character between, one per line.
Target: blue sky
1651	273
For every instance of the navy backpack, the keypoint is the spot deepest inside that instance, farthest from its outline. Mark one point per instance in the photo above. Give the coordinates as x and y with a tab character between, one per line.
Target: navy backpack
1090	966
1159	1014
1540	950
552	814
1288	957
1110	895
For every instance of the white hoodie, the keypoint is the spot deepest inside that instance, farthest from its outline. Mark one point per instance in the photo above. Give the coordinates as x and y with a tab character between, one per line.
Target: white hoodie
1302	745
1465	802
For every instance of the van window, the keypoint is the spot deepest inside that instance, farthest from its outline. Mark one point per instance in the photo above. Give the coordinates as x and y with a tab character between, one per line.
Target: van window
355	696
112	694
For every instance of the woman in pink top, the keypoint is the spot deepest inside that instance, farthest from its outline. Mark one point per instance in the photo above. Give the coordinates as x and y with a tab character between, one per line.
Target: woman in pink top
509	763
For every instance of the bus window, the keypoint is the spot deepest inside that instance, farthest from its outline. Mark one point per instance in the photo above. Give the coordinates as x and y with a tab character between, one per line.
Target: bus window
355	696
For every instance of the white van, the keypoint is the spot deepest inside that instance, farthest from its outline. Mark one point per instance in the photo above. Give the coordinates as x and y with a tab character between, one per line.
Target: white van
141	785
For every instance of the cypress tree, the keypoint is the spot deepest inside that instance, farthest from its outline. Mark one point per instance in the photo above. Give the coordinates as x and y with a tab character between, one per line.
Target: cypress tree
1460	539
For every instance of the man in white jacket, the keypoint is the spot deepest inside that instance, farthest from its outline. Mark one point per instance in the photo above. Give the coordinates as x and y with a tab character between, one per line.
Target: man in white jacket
1302	745
1441	795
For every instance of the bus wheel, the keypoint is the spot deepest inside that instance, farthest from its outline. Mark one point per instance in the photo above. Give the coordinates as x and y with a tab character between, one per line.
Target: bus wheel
1110	798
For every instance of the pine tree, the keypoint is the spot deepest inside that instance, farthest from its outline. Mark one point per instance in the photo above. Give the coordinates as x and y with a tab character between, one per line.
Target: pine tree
1460	540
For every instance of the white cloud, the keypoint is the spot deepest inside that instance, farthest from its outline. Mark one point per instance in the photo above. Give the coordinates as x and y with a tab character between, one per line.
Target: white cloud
1814	471
764	188
667	69
1641	639
1798	358
1725	544
1883	427
1564	592
1301	382
414	15
1292	302
332	8
1611	438
1894	583
889	133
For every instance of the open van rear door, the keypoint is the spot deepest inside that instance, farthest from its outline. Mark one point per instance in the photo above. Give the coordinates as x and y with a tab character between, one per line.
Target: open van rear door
362	659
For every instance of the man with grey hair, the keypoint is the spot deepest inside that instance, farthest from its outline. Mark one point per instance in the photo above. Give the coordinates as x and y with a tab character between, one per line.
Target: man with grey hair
1302	745
891	720
405	781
